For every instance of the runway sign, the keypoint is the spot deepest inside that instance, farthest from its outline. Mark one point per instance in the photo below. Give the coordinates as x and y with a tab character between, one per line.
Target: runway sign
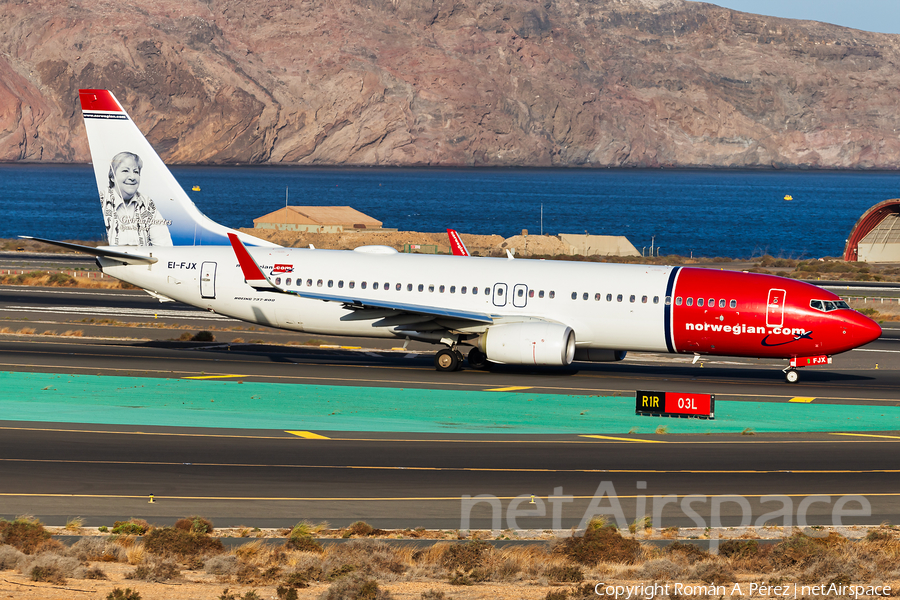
674	404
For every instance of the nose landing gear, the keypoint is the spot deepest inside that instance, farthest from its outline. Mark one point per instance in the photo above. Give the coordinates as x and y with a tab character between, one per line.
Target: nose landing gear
791	375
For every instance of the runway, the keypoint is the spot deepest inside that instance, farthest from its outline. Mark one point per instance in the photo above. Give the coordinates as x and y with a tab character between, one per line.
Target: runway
268	476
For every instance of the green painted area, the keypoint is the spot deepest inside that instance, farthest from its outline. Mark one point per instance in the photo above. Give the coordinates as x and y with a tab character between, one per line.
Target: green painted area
231	404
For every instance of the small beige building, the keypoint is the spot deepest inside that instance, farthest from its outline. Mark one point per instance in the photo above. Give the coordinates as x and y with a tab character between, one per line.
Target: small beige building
599	245
316	219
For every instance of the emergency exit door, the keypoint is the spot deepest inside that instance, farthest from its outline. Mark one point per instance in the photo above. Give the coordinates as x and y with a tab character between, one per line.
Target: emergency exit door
208	280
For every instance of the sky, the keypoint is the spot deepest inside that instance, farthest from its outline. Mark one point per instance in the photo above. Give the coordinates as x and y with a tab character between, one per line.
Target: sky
882	16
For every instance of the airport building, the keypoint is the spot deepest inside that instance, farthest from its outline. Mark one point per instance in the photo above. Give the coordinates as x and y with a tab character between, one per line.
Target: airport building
317	219
876	235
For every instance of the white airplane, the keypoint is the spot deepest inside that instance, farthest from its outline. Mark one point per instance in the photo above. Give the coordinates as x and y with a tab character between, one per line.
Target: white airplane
519	312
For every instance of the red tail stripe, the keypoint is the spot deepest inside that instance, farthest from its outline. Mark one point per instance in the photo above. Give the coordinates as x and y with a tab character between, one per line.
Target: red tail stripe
98	100
250	269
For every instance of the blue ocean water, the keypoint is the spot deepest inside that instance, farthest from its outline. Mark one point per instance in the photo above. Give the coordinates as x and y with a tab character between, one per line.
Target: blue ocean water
738	214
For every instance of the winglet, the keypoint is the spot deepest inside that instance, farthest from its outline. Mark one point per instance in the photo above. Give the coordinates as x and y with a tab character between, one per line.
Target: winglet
456	244
252	273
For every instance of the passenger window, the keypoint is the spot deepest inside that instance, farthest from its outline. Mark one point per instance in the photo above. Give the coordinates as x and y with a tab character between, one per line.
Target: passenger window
319	283
668	300
387	286
690	301
398	287
278	281
431	288
421	288
733	304
677	300
699	301
574	295
408	287
722	303
631	298
541	294
452	289
552	294
474	289
487	291
363	284
609	297
712	302
331	283
462	290
644	299
596	297
585	296
341	283
656	300
531	293
287	282
521	293
351	285
374	285
619	298
309	283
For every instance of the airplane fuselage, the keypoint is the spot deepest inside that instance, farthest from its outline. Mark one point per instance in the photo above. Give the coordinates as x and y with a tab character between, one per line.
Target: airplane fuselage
608	306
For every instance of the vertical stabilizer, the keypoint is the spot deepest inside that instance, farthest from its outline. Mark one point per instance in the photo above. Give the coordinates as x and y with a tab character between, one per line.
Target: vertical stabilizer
143	204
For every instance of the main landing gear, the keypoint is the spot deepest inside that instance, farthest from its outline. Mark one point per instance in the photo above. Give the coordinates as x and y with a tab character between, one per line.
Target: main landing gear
448	359
451	359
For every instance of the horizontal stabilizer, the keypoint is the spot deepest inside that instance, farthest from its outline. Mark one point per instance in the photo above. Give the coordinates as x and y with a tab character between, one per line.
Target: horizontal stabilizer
125	257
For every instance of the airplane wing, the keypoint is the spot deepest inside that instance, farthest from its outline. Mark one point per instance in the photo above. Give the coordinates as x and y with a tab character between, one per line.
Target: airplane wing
260	281
125	257
456	244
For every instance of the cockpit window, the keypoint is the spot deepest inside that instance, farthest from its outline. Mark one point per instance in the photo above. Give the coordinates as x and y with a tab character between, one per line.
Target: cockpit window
828	305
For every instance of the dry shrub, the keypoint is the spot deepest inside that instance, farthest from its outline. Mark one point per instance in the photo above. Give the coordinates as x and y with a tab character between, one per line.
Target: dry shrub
355	587
50	567
97	549
223	564
131	527
800	550
660	569
194	525
691	553
156	571
73	333
90	573
305	543
599	544
365	556
249	551
176	542
135	554
466	556
25	534
10	557
26	331
247	574
360	528
715	572
126	594
565	574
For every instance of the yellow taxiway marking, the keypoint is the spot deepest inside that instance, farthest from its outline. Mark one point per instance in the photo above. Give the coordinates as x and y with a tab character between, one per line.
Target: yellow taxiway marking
606	437
801	399
871	435
511	388
213	376
404	499
309	435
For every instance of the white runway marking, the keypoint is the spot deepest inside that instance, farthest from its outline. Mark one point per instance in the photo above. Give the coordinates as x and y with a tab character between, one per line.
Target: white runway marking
124	312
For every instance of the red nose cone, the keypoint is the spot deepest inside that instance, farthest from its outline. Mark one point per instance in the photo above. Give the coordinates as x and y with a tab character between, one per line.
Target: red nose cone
863	329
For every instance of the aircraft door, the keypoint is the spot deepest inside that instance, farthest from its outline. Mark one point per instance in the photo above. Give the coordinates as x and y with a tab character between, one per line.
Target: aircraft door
500	294
520	295
208	280
775	308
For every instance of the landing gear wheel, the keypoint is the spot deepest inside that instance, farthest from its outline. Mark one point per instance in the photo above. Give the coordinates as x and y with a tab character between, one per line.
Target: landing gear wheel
792	376
446	360
477	359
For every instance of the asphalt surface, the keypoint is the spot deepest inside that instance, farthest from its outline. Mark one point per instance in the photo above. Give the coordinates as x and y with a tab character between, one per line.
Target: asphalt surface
274	478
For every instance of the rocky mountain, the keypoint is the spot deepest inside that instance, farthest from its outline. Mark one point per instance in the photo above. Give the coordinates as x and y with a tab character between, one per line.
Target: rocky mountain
641	83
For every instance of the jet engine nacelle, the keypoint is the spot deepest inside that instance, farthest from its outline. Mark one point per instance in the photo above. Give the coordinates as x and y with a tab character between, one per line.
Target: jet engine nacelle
599	355
549	344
